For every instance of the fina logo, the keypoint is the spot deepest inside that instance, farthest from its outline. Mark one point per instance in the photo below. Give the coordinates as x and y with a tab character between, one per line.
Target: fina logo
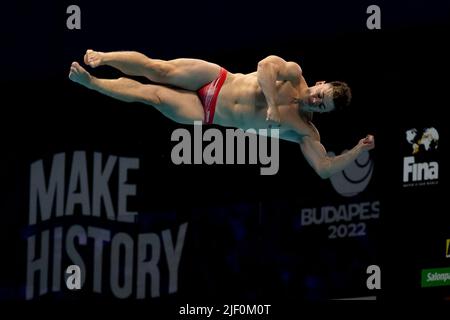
429	139
355	177
414	173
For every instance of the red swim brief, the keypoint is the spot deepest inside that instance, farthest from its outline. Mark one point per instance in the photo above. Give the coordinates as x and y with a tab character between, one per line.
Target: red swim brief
208	95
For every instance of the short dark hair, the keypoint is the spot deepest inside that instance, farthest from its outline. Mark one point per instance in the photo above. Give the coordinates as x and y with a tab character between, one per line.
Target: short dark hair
342	95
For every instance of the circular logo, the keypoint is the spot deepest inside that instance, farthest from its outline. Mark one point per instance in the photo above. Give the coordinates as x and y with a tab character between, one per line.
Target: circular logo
355	177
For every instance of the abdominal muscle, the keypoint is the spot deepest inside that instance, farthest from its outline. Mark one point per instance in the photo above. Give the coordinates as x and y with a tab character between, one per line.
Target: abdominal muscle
242	104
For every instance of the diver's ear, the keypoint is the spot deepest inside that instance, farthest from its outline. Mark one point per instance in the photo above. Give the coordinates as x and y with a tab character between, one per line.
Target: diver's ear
319	82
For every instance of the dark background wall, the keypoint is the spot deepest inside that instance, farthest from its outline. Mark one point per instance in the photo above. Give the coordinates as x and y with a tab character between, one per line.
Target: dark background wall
244	239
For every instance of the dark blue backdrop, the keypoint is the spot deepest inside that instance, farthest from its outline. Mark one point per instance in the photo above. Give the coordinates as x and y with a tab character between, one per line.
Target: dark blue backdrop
244	241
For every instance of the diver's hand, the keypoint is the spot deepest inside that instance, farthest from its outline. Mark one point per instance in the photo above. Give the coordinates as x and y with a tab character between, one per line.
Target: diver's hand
368	143
273	114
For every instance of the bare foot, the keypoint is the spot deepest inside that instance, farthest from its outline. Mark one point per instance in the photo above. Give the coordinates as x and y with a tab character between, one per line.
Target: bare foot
93	58
79	75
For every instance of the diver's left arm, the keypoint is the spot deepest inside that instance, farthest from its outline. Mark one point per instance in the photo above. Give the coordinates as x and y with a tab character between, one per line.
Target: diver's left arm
326	165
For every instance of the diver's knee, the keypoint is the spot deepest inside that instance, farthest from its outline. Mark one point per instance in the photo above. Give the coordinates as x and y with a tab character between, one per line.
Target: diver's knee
152	95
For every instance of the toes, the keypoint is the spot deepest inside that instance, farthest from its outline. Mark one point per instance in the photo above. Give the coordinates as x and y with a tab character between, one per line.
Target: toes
88	57
73	67
77	66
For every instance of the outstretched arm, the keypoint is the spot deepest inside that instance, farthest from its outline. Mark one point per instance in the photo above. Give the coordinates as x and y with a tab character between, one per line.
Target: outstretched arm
273	69
326	166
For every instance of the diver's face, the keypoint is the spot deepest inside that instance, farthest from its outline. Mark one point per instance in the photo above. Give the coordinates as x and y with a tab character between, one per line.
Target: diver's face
319	98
